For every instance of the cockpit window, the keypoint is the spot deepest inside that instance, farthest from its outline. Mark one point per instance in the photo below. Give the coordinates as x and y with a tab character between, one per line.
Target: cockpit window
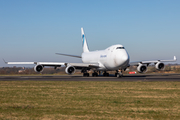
120	48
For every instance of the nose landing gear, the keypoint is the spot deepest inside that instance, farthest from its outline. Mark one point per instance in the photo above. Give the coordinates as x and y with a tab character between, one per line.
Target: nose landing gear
118	74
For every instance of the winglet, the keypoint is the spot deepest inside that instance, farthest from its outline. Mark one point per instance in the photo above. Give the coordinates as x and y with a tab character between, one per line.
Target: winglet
5	61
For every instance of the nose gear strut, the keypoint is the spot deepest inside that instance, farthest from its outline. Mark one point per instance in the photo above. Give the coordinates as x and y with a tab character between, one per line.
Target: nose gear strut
118	73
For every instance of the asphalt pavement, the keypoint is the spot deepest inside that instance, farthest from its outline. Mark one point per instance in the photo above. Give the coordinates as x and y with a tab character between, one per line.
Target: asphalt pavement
135	77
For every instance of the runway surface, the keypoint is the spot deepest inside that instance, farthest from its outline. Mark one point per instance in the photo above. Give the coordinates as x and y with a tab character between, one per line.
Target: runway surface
137	77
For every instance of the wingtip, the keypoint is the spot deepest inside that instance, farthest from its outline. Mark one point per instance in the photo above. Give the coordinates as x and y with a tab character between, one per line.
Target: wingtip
4	61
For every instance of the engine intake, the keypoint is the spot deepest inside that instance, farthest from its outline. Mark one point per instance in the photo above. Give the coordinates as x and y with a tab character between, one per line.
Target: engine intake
160	66
142	68
38	68
70	70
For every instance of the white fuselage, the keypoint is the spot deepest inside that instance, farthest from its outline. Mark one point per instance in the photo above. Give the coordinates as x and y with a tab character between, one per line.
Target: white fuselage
113	58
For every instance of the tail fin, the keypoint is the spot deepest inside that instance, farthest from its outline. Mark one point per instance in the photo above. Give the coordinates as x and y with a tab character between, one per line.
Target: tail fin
84	42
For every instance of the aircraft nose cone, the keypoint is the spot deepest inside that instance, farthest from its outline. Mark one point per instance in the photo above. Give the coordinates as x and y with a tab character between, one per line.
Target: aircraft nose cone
124	58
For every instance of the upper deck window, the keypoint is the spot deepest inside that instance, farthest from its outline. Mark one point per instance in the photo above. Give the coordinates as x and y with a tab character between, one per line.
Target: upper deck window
120	48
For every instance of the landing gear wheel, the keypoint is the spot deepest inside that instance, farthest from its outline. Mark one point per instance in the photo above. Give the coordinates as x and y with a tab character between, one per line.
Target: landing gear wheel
86	74
105	74
118	74
95	74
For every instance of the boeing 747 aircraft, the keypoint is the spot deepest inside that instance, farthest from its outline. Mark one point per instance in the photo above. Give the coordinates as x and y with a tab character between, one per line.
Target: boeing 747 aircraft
114	58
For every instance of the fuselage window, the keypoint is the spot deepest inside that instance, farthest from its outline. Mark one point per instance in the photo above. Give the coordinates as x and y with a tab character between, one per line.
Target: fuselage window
120	48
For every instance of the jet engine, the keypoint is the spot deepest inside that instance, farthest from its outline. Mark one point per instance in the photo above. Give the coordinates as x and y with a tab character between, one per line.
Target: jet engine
38	68
142	68
70	70
160	66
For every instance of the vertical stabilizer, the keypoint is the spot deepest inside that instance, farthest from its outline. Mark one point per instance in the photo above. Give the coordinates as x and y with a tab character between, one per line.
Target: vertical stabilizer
84	42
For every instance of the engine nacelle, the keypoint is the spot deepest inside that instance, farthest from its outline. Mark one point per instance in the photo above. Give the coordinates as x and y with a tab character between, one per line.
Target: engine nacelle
38	68
70	70
142	68
160	66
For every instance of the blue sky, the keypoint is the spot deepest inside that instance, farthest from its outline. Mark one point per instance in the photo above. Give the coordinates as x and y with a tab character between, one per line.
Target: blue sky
34	30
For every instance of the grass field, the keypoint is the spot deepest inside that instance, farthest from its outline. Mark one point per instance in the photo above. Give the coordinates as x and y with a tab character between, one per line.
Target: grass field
89	100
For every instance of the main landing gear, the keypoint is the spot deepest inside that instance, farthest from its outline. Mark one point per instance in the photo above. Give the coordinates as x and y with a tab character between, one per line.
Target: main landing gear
118	73
85	73
105	73
94	74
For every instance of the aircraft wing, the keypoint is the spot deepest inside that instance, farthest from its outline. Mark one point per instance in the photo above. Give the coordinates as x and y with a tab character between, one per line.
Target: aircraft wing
88	65
37	63
58	64
151	61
